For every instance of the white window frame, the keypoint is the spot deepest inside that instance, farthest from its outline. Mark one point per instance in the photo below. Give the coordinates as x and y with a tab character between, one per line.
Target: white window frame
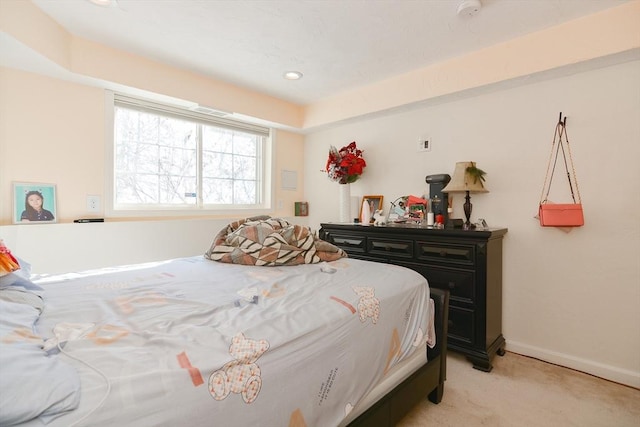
266	166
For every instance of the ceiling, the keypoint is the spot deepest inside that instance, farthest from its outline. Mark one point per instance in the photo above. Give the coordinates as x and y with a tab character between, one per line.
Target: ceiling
337	44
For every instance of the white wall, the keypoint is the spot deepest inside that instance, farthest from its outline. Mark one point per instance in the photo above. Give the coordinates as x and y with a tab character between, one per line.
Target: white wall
570	298
63	248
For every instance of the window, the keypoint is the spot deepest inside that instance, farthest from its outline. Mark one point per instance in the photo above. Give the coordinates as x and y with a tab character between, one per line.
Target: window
168	158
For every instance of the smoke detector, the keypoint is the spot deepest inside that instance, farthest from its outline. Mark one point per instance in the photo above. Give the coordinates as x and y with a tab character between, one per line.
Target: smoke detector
469	7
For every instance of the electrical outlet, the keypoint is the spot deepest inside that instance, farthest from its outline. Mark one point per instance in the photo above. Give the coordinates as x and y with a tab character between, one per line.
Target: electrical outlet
424	144
93	203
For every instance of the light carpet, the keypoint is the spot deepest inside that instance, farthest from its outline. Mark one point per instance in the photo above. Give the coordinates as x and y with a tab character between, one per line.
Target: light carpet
522	391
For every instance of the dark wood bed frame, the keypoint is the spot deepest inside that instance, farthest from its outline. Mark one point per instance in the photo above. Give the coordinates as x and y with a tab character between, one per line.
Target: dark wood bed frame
426	381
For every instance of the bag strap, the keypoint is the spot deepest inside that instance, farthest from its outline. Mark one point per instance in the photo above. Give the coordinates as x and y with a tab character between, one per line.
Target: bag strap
548	177
573	168
557	145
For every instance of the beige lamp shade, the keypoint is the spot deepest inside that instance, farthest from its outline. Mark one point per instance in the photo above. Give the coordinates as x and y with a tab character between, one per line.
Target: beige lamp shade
462	181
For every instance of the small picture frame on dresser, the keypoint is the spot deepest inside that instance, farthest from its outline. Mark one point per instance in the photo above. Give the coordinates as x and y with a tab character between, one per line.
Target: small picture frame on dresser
375	203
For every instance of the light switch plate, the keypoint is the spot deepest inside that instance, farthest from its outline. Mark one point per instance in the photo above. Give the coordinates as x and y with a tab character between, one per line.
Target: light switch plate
424	144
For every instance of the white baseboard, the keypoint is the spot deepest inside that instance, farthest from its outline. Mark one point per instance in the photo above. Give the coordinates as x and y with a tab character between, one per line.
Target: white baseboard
608	372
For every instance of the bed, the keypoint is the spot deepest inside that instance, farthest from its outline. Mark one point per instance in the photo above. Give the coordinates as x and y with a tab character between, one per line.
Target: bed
295	338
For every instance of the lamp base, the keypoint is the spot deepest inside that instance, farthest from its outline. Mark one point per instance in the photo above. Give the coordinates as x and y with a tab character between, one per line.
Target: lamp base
467	212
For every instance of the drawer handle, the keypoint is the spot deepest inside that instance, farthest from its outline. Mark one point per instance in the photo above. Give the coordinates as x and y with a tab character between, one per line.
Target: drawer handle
452	285
443	253
396	247
450	324
349	242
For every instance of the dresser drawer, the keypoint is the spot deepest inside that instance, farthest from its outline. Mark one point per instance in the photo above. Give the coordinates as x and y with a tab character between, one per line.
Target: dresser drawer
458	282
390	247
441	252
349	243
461	326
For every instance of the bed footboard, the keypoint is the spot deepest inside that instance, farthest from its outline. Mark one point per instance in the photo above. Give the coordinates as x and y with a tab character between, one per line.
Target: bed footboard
426	381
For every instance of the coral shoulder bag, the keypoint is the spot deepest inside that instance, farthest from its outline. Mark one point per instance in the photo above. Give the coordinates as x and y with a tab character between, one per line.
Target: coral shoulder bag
560	214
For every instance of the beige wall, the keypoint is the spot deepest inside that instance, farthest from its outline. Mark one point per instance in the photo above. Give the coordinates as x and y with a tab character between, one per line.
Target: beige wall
53	131
568	298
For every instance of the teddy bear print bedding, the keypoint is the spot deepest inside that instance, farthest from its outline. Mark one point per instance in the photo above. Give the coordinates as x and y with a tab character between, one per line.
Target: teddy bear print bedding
196	342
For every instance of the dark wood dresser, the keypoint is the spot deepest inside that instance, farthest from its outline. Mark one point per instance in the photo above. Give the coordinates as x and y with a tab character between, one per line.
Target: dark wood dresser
468	263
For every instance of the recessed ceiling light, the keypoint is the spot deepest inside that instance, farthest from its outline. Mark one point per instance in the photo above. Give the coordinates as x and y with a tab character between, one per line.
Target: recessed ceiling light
105	3
292	75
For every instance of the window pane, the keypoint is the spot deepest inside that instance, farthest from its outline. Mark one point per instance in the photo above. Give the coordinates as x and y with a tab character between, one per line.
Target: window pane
217	191
136	188
217	165
233	155
177	133
147	128
245	192
126	124
174	161
158	156
177	190
140	158
244	167
217	139
156	159
245	144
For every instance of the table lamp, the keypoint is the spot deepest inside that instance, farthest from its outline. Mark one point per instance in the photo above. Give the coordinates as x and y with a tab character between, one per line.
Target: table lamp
467	178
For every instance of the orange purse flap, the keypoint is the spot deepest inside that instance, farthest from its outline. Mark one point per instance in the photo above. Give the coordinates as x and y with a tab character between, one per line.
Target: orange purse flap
561	215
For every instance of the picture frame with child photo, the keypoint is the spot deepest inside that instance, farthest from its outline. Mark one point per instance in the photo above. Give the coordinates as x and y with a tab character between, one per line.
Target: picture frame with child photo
34	203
